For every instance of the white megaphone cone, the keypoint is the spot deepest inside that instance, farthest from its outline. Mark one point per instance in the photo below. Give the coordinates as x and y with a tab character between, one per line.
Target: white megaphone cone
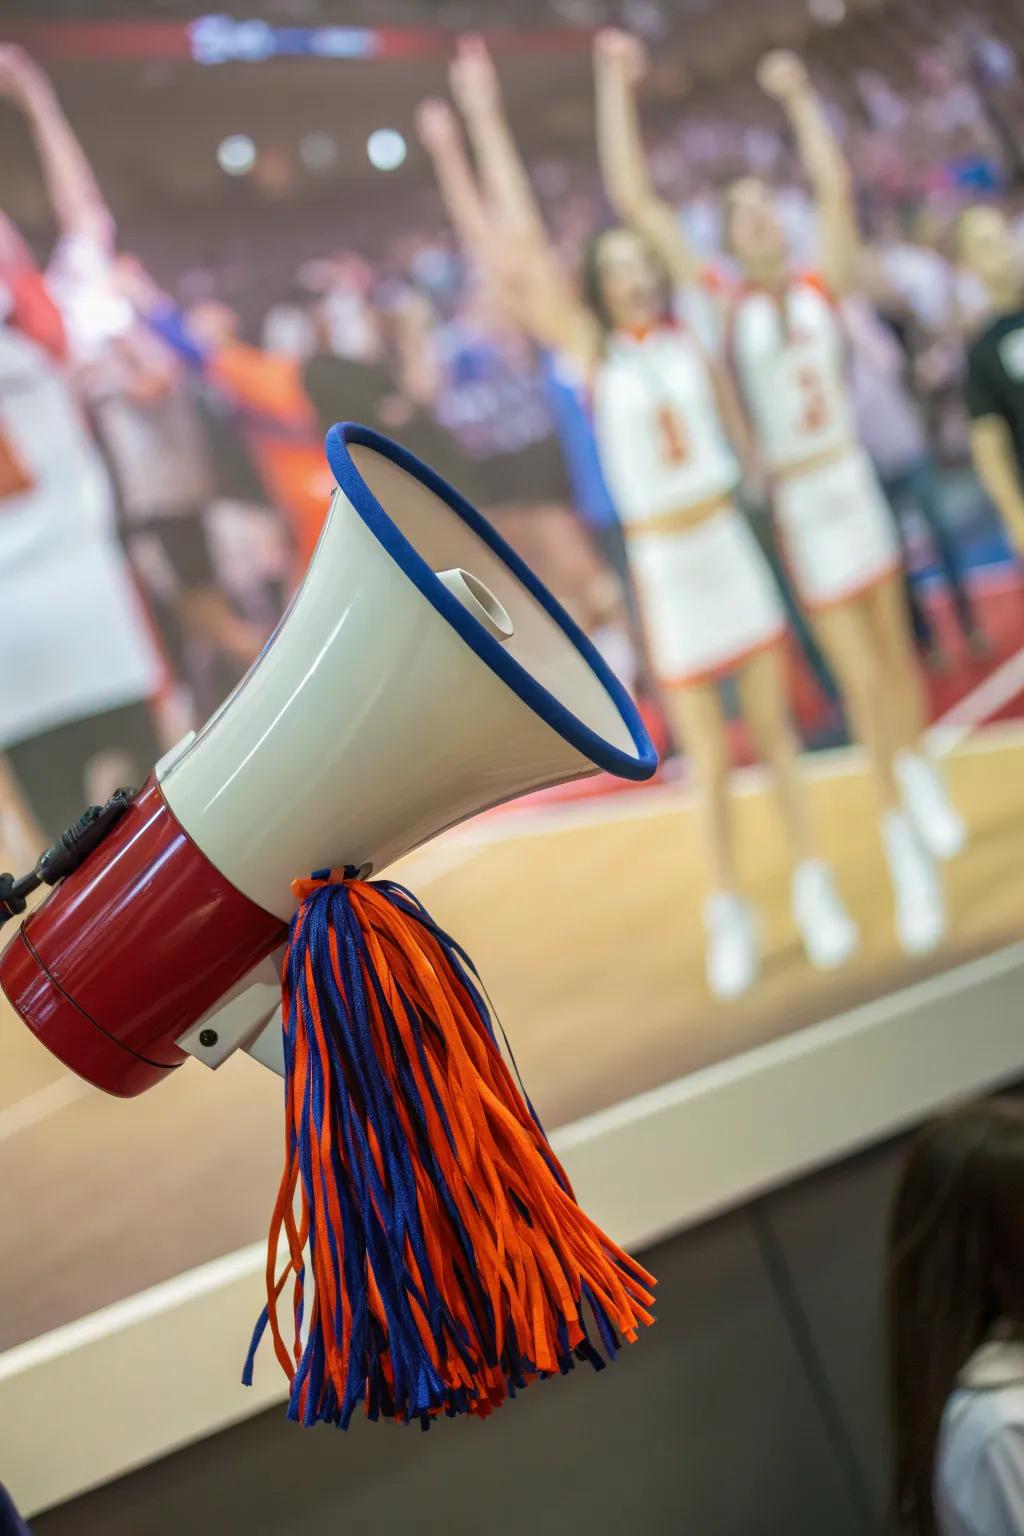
421	674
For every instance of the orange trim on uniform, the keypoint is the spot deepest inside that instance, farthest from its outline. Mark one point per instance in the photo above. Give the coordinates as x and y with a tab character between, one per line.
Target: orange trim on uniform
747	288
794	279
683	520
731	664
716	280
824	459
822	605
815	280
34	313
638	333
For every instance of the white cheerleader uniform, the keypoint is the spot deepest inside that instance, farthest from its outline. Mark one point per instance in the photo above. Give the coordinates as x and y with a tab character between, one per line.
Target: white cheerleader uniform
707	594
835	525
76	638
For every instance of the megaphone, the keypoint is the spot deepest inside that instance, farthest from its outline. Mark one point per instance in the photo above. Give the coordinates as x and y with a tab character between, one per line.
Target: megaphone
420	675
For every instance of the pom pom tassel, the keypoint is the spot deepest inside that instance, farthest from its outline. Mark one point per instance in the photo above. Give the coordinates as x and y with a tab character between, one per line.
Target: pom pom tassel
450	1264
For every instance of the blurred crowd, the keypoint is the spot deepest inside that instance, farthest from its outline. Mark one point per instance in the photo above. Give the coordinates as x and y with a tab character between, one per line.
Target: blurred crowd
206	419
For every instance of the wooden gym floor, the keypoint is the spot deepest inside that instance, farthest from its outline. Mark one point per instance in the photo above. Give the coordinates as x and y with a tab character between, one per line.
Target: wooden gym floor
584	920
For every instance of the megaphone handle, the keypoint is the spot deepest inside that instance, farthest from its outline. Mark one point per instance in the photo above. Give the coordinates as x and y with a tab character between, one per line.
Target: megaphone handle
14	894
64	856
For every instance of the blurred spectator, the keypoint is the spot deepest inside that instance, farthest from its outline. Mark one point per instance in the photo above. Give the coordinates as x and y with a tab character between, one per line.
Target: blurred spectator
138	399
394	388
918	273
268	405
995	382
891	430
956	1326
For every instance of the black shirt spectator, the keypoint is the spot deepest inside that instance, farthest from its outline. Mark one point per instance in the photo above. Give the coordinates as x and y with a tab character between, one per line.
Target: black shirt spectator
995	376
345	390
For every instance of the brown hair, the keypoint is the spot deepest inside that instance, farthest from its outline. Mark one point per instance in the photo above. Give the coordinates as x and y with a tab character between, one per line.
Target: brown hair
592	281
956	1268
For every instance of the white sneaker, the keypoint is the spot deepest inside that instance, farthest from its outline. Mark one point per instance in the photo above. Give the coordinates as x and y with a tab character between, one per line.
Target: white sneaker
936	820
733	960
920	910
827	930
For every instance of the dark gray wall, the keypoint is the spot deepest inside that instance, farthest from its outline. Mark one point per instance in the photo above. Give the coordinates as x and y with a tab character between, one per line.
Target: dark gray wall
831	1231
754	1408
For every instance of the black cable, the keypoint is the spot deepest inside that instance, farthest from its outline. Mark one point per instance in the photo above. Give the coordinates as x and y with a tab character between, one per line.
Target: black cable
64	856
780	1279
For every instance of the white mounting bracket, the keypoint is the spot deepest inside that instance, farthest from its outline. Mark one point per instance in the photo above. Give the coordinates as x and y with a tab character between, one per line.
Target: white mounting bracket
248	1019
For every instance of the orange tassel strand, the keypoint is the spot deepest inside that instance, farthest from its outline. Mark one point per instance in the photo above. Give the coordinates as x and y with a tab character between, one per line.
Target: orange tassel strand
450	1262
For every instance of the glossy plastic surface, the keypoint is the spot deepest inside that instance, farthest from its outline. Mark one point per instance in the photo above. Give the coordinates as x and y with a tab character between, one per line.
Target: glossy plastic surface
132	949
384	709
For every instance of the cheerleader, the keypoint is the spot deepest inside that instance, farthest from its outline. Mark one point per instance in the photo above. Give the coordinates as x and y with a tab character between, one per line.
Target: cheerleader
79	665
787	350
711	608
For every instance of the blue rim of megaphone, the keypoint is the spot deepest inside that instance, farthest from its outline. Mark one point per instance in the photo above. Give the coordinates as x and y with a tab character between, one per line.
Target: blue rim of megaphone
601	752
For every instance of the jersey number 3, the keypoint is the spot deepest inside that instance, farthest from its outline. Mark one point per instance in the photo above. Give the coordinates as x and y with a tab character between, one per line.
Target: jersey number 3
675	444
813	404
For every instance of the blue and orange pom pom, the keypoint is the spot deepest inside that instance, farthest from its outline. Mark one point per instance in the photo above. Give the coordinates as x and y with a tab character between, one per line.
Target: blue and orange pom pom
449	1261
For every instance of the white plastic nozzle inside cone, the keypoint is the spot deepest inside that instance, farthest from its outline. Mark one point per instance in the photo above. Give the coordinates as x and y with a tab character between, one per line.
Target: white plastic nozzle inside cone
480	601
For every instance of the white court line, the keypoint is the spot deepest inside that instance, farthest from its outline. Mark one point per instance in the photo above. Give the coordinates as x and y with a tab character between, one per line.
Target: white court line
133	1309
38	1106
991	695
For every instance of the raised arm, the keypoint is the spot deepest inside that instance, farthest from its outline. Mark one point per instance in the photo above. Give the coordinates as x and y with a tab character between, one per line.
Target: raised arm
514	258
783	75
74	193
505	183
620	62
441	137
